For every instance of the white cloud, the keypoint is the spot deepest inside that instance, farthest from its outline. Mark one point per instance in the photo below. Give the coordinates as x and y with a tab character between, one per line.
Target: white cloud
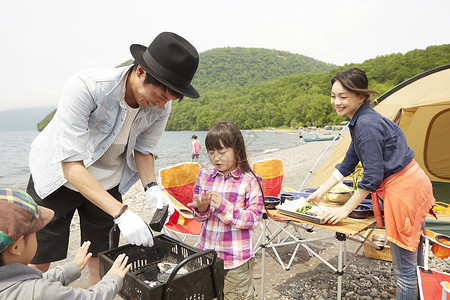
44	43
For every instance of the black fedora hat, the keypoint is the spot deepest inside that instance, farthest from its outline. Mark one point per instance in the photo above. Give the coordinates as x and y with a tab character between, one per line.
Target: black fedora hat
171	60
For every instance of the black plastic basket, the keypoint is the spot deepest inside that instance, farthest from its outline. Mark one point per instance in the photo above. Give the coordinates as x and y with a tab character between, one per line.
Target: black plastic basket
204	279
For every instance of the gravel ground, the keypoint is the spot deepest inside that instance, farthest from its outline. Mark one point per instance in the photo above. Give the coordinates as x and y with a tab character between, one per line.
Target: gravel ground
309	278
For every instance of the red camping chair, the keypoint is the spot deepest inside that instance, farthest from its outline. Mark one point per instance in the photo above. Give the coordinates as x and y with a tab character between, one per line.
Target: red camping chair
432	284
271	172
178	182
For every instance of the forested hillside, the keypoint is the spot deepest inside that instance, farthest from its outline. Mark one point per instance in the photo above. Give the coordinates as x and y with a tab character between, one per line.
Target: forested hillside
258	88
225	68
297	100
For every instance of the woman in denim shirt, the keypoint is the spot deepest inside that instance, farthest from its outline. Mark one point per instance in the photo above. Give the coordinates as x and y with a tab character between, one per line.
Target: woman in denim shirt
101	140
390	172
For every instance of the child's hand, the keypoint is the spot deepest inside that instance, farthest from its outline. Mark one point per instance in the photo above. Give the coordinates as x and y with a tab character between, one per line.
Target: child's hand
82	256
216	199
120	266
201	202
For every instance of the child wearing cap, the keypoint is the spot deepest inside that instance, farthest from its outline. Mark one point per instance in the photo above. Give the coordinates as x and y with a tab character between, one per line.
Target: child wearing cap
20	218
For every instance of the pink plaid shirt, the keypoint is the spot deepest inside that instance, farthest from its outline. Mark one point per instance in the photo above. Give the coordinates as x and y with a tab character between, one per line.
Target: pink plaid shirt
228	229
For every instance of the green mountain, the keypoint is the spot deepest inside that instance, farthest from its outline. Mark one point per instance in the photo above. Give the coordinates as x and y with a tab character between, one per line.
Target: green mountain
257	88
230	68
225	68
300	99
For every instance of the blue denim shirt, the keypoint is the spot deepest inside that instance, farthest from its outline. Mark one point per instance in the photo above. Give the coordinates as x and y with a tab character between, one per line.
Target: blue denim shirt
379	144
90	113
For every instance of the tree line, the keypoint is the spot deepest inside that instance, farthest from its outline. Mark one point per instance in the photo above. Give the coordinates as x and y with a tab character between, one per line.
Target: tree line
299	99
259	88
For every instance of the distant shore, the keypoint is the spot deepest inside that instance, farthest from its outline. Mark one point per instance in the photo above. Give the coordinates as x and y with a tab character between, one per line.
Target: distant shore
298	162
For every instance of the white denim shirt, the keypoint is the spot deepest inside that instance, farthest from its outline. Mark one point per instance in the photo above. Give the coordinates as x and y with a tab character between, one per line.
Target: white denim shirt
90	113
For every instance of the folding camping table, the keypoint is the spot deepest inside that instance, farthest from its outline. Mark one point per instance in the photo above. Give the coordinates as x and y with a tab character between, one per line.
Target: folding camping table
348	228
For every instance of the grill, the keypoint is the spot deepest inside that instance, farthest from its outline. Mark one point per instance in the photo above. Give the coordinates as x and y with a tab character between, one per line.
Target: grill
204	278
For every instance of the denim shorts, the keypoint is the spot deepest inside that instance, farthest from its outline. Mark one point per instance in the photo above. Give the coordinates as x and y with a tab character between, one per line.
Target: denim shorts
95	224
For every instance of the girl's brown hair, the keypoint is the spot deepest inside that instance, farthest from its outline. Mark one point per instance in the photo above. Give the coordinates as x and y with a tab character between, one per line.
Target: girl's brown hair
225	134
355	80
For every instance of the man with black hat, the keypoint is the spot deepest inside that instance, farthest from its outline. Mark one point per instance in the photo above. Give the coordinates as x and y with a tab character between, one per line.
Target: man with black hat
101	140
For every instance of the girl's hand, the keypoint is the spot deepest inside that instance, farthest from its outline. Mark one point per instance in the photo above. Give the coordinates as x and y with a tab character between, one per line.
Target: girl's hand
82	256
119	266
201	202
335	215
216	199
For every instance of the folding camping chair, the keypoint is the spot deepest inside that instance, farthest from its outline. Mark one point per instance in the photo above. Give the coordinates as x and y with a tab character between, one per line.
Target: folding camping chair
271	172
433	284
178	182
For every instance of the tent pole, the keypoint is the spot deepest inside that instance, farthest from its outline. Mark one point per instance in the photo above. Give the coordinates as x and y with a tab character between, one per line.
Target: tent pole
323	153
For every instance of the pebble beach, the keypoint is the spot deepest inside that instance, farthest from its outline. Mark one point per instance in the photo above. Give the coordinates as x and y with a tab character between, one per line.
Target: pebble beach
308	277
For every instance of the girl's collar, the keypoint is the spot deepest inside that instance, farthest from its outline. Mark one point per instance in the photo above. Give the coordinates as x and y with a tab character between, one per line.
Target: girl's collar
235	173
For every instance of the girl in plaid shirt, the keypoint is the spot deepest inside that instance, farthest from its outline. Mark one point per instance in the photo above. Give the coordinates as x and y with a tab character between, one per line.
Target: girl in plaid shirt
228	200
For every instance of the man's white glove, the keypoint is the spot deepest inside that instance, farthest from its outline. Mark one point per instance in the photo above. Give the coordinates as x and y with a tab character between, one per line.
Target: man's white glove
134	229
157	199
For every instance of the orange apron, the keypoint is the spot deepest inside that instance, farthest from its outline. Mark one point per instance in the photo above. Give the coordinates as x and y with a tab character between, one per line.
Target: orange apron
407	197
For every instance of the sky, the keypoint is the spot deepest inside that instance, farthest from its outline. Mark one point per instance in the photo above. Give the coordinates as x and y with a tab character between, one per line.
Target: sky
43	43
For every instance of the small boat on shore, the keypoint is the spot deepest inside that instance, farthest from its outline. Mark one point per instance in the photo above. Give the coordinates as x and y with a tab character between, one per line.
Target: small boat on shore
314	137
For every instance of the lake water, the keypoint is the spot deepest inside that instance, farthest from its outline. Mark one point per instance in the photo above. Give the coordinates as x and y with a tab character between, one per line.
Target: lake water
173	148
